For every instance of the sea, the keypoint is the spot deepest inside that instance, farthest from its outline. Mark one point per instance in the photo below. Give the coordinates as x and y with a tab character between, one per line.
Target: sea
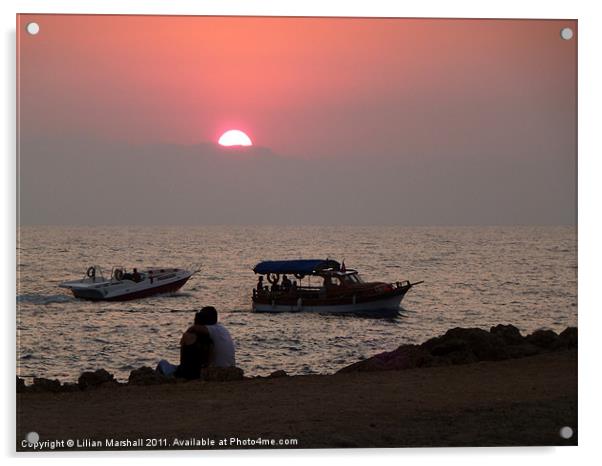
473	277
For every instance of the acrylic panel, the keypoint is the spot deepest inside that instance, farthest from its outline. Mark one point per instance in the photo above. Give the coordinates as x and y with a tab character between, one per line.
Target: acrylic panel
295	232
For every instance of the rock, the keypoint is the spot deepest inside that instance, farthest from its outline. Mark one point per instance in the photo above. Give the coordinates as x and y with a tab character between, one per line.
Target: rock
367	365
21	387
517	345
222	374
467	345
95	379
509	333
484	345
46	385
148	376
404	357
446	346
568	338
70	387
546	339
523	350
464	356
277	374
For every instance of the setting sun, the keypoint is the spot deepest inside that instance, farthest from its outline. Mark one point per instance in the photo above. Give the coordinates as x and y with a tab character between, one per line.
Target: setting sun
234	137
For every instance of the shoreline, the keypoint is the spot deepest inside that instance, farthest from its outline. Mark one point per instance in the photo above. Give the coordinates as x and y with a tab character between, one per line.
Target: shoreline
516	400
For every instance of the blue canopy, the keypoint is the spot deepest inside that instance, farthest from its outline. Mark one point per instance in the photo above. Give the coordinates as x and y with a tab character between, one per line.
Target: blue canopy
301	266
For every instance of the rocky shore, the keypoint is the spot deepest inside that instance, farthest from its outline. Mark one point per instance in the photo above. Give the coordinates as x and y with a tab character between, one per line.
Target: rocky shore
469	345
498	386
101	378
456	346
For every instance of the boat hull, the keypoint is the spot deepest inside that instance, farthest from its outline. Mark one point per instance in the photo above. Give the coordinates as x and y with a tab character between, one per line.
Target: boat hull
389	302
129	293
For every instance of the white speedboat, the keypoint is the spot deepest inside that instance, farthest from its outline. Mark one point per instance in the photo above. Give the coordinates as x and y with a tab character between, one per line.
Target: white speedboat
123	285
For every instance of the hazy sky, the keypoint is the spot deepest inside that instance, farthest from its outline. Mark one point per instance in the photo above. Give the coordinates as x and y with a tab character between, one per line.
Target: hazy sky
355	121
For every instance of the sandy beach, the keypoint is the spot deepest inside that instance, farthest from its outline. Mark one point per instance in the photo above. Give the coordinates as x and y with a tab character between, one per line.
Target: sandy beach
513	402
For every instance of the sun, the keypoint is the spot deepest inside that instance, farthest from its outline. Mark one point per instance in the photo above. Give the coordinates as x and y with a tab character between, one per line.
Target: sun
234	137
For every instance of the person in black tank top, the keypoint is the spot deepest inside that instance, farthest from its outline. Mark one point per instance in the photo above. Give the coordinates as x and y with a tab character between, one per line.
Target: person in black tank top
195	347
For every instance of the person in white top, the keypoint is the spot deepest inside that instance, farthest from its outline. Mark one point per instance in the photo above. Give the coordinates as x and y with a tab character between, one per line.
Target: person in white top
222	353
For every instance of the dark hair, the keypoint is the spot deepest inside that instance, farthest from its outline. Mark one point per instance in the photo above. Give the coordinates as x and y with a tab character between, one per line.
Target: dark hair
206	316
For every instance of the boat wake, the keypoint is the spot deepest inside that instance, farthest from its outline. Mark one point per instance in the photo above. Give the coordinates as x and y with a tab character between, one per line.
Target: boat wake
385	314
35	298
173	294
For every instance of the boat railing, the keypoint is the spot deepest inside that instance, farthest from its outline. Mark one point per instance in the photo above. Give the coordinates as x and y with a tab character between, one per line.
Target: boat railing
93	274
299	290
309	287
165	277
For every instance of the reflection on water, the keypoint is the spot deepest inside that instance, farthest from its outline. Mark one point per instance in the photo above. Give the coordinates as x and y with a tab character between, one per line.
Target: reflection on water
474	276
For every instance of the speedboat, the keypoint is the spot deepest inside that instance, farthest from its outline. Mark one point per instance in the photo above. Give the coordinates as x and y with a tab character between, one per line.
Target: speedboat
338	290
122	285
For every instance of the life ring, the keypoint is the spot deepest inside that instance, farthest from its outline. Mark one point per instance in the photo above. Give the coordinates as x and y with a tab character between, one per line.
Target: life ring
91	272
300	276
273	278
118	274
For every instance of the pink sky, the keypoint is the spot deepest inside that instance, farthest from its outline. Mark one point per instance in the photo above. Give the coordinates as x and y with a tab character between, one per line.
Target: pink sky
298	86
411	90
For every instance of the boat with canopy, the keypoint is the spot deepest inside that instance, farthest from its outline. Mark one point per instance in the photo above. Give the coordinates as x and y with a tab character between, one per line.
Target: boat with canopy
335	288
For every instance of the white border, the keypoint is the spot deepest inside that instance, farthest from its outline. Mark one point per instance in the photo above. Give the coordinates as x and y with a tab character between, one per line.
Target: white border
428	8
590	232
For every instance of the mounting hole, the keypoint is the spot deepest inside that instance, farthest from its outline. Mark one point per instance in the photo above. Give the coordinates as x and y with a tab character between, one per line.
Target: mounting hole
566	432
566	33
32	437
33	28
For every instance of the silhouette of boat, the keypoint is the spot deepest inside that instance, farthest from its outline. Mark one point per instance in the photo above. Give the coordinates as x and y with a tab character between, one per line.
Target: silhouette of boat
123	286
338	290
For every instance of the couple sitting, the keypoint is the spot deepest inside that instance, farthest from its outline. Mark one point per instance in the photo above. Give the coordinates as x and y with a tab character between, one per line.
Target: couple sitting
204	344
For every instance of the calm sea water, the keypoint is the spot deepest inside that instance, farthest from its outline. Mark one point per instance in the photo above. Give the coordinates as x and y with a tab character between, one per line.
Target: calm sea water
474	277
